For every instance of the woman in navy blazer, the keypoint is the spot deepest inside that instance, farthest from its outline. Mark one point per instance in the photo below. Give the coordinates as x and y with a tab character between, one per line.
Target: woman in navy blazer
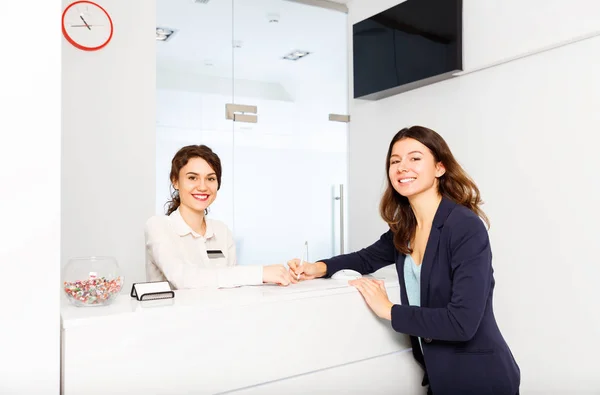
440	246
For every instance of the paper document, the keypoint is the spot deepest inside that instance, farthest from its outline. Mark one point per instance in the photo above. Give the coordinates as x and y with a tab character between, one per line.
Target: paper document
319	284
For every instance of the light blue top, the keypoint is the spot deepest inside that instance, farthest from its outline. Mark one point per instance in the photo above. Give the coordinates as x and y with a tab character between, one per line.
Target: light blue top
412	283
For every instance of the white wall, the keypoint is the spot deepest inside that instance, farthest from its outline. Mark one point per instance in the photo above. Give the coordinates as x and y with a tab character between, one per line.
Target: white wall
526	131
30	199
108	144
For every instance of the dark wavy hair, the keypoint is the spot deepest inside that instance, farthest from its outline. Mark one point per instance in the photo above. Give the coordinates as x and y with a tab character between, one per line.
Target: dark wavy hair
181	159
455	185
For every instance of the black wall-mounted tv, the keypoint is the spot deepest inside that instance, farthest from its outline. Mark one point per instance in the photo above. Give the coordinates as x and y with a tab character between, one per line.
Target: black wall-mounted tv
413	44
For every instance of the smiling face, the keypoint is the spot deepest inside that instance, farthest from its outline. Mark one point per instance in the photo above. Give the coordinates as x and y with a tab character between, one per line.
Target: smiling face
197	184
413	169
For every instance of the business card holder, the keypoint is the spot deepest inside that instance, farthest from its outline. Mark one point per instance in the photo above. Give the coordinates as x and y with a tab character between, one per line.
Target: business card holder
152	290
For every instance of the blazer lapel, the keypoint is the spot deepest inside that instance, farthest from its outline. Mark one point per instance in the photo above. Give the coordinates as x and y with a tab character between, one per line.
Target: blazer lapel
428	262
400	259
443	211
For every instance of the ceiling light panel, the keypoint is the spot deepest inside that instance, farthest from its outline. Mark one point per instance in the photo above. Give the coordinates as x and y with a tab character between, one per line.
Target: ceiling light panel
164	33
295	55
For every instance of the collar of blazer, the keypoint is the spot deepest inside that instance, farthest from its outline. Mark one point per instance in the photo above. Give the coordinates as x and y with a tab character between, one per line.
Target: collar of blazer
443	211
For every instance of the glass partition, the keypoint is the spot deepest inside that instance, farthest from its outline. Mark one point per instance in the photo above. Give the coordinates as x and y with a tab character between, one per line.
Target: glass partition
291	64
257	81
194	82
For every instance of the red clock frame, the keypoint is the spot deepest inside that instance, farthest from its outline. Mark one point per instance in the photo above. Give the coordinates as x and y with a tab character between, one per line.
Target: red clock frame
73	42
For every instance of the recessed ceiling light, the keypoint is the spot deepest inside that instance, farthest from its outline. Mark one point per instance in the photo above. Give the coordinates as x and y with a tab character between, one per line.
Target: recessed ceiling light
295	55
164	33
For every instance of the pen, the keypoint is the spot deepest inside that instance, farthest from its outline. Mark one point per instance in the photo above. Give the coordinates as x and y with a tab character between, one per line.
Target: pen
302	259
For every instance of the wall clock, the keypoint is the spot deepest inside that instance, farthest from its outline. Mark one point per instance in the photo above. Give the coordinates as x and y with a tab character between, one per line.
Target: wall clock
87	26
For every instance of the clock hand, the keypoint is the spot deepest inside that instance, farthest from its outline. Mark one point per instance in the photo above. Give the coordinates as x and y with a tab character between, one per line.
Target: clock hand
83	25
88	26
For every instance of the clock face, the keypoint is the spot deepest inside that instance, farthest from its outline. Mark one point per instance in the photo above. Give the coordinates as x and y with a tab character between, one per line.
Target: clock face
86	25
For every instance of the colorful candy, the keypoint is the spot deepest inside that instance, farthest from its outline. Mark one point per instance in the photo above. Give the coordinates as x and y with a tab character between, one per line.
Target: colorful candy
93	291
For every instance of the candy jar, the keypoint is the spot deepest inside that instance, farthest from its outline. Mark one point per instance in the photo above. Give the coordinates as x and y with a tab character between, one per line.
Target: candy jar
92	281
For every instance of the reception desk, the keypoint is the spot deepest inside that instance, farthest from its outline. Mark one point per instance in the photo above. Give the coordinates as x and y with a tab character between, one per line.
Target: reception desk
315	337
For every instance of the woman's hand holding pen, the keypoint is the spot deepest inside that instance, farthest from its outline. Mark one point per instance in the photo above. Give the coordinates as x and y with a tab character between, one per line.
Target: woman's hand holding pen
305	270
278	274
374	293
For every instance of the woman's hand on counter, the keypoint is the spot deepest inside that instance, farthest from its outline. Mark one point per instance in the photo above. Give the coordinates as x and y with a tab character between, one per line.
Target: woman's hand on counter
306	271
277	274
374	293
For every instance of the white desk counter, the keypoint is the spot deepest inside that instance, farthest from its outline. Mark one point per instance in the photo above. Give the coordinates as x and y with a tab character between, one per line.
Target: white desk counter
316	337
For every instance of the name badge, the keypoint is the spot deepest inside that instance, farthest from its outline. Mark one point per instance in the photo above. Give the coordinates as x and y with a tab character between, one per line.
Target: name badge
213	254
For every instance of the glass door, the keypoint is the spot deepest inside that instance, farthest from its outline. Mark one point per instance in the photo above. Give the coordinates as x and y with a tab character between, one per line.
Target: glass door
289	158
194	80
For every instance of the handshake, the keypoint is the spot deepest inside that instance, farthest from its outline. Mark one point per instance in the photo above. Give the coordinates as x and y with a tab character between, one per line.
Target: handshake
297	270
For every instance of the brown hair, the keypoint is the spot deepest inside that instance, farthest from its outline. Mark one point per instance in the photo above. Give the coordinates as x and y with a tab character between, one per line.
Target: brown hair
455	185
181	159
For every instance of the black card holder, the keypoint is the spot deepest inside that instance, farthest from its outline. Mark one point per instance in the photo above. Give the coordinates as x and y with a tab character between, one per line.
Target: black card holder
153	290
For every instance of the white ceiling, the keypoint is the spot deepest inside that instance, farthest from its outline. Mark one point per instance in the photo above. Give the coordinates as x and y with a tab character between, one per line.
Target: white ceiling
205	33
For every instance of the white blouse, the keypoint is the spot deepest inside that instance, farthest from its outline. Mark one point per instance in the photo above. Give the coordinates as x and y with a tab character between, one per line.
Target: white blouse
175	253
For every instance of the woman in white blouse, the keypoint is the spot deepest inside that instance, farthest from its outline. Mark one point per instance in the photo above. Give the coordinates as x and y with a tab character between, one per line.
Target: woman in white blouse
186	248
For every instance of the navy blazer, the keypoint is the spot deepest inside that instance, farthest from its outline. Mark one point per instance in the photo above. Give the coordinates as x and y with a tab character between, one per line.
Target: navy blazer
463	350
